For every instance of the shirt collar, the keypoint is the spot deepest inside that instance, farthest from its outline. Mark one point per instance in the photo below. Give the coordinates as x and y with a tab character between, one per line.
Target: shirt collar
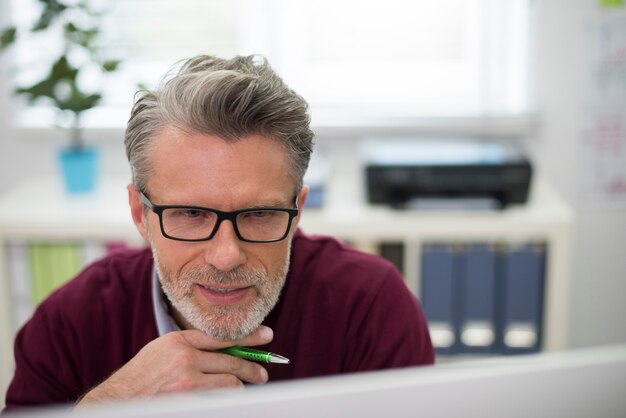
165	322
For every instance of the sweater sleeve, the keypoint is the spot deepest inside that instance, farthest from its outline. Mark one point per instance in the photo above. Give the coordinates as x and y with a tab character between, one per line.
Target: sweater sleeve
84	331
45	373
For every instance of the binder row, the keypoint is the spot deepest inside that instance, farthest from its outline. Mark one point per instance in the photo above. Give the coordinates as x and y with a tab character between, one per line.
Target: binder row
483	298
37	268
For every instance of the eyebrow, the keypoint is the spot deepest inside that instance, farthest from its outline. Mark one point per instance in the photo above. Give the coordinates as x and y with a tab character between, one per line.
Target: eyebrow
268	204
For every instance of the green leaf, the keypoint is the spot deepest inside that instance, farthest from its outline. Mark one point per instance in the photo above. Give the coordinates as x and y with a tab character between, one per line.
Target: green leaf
79	101
79	36
70	27
62	70
52	10
110	65
7	37
44	88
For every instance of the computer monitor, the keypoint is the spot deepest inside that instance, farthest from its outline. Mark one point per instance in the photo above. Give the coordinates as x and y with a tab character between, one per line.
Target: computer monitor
579	383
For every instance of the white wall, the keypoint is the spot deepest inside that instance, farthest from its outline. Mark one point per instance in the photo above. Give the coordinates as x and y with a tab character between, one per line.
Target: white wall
599	262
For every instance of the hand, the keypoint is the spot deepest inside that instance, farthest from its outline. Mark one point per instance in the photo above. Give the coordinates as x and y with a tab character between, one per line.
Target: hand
181	361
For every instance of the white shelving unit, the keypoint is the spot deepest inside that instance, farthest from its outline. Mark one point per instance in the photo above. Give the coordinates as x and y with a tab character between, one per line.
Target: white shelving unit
544	219
40	210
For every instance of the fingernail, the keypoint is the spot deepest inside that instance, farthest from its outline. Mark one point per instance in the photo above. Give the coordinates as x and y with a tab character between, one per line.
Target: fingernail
266	333
264	376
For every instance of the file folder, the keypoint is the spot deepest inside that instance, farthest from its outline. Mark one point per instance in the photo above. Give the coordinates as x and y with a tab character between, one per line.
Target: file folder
393	252
524	272
439	290
51	265
477	331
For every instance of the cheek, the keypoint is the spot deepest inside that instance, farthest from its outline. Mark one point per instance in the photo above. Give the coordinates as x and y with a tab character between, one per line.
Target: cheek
171	254
273	257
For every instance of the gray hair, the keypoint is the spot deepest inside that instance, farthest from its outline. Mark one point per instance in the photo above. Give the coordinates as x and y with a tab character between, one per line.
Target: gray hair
229	98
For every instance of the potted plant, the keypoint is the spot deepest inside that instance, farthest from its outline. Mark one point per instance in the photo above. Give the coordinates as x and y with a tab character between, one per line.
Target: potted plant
78	28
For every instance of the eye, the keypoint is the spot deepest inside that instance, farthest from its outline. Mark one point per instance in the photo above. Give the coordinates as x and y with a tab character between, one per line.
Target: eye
190	213
260	213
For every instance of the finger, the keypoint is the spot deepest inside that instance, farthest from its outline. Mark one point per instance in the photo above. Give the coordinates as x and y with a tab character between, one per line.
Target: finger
219	363
201	341
220	381
262	335
200	382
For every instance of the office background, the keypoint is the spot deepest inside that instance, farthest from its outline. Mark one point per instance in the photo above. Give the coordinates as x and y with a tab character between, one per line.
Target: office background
555	141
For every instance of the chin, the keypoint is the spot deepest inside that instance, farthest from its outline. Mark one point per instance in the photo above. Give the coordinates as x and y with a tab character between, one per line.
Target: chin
225	323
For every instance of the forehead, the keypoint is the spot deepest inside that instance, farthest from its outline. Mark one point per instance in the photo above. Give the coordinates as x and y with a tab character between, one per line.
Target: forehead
195	168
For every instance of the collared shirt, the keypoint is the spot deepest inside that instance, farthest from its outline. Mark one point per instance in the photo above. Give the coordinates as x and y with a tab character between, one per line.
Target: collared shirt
165	322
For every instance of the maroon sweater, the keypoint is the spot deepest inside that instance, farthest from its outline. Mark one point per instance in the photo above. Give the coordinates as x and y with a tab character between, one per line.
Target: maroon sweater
341	311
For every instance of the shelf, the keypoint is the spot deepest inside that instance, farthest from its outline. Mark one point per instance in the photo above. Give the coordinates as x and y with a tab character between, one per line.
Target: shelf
348	217
42	209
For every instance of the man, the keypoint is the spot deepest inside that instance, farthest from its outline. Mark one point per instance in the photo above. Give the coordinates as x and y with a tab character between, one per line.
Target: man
218	155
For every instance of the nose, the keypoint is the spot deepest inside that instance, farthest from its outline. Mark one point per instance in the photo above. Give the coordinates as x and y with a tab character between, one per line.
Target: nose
224	250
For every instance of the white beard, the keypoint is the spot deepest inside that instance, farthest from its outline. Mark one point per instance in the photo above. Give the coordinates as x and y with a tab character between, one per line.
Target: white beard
222	322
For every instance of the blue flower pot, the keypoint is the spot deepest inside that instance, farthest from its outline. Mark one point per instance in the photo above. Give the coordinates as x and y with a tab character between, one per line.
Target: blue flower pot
80	169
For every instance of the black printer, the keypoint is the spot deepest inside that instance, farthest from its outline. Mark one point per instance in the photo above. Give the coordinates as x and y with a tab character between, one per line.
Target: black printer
410	173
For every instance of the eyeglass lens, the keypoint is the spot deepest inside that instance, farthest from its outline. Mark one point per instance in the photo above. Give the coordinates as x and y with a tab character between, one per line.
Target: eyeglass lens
254	225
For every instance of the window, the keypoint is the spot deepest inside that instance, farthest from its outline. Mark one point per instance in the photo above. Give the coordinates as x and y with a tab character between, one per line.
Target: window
395	58
407	57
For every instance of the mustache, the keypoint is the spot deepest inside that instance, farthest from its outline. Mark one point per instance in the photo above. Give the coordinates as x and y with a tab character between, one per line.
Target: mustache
238	276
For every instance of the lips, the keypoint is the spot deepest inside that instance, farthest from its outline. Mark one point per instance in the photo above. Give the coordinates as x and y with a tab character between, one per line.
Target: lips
217	290
224	295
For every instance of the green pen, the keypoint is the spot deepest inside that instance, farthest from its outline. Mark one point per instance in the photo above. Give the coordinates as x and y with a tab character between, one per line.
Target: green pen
254	355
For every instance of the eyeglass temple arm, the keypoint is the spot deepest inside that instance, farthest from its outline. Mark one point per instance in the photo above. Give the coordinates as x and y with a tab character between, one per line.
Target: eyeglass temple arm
145	200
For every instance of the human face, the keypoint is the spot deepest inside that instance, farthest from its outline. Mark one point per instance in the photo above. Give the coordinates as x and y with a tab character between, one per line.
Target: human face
224	287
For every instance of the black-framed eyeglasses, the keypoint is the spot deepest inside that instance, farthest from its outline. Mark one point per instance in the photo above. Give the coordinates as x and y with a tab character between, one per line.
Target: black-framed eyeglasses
194	223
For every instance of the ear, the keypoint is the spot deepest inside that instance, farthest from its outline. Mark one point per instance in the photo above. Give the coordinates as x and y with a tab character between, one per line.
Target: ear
301	200
136	211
